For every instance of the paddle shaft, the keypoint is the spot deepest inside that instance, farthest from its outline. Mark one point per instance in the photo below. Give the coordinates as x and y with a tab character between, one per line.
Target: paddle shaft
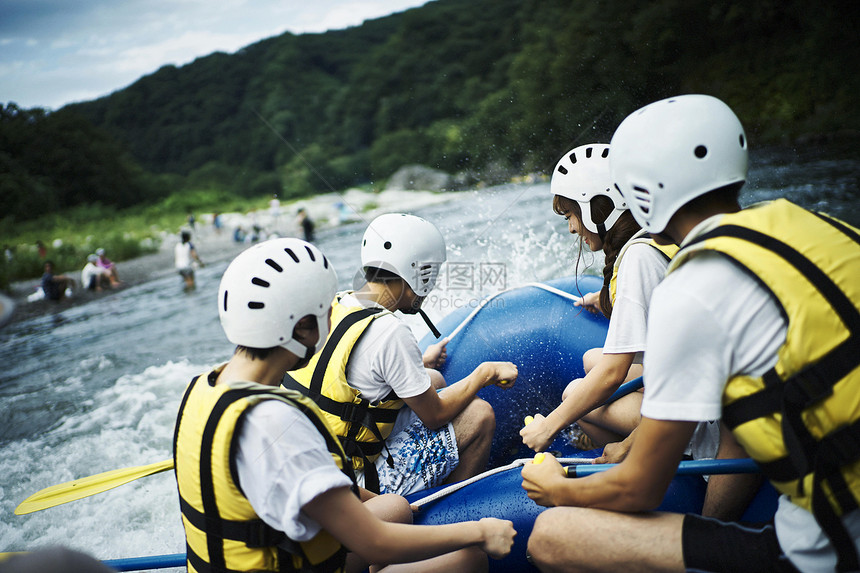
686	467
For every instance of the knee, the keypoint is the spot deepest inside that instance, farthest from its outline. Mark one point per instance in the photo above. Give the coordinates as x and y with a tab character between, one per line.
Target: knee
591	358
550	543
482	413
436	379
392	508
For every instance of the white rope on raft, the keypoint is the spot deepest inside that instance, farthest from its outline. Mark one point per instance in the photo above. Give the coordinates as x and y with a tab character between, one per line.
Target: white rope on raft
514	464
486	301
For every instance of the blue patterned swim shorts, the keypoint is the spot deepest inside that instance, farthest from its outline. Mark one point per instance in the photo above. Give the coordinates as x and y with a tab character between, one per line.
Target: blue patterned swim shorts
422	458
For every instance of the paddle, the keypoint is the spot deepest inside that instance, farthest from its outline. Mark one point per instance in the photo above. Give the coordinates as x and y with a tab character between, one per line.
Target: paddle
686	467
85	487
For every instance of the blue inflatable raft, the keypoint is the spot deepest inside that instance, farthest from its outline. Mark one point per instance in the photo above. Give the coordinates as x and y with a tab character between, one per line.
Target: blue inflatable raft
538	328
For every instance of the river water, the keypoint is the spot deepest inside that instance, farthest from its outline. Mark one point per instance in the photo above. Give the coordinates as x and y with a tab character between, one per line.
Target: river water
97	386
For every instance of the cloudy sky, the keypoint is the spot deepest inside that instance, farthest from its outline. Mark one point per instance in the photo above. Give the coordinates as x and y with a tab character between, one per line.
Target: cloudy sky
53	52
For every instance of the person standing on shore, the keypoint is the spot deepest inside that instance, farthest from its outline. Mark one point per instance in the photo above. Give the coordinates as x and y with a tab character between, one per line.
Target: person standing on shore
304	221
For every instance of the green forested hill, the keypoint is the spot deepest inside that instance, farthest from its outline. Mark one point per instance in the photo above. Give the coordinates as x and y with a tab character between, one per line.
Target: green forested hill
478	87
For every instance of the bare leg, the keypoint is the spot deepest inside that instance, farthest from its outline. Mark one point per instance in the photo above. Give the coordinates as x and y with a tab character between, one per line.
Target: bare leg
615	421
474	428
578	539
728	496
436	379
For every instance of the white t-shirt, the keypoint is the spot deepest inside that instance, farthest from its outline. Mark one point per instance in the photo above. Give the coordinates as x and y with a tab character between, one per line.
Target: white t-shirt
283	464
386	358
641	270
710	321
182	255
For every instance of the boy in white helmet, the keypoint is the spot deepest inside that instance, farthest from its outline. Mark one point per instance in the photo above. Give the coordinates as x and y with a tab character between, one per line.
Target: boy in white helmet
263	482
374	384
757	322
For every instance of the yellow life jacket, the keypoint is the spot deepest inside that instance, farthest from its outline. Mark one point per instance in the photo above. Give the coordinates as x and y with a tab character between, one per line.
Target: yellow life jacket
361	426
801	420
642	236
223	533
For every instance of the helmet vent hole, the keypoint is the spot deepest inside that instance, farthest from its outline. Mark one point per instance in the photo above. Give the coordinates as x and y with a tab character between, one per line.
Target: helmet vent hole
642	197
256	305
572	157
260	282
292	255
225	300
562	169
310	254
387	245
743	141
701	151
274	265
588	153
605	153
325	262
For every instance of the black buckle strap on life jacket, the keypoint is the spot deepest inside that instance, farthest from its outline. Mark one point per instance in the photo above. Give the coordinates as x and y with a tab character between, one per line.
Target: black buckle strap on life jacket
254	533
202	566
333	564
813	383
355	449
836	450
361	414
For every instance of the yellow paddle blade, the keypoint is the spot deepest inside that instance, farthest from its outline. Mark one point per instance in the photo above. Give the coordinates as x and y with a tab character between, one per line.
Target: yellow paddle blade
85	487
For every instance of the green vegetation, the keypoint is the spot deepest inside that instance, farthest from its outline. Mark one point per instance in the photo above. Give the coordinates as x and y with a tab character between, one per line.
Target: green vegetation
479	88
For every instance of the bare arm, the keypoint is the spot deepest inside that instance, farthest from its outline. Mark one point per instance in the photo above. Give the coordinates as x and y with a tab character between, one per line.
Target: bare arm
638	483
436	409
592	391
340	513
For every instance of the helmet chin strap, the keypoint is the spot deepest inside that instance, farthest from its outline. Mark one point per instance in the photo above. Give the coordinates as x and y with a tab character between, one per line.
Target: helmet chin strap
416	309
429	324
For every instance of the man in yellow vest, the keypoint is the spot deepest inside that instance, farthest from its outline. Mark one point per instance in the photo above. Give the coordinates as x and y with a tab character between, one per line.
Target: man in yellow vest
263	482
756	323
374	384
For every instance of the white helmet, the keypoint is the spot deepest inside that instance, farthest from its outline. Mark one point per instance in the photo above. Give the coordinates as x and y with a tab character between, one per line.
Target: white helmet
406	245
674	150
268	288
581	175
